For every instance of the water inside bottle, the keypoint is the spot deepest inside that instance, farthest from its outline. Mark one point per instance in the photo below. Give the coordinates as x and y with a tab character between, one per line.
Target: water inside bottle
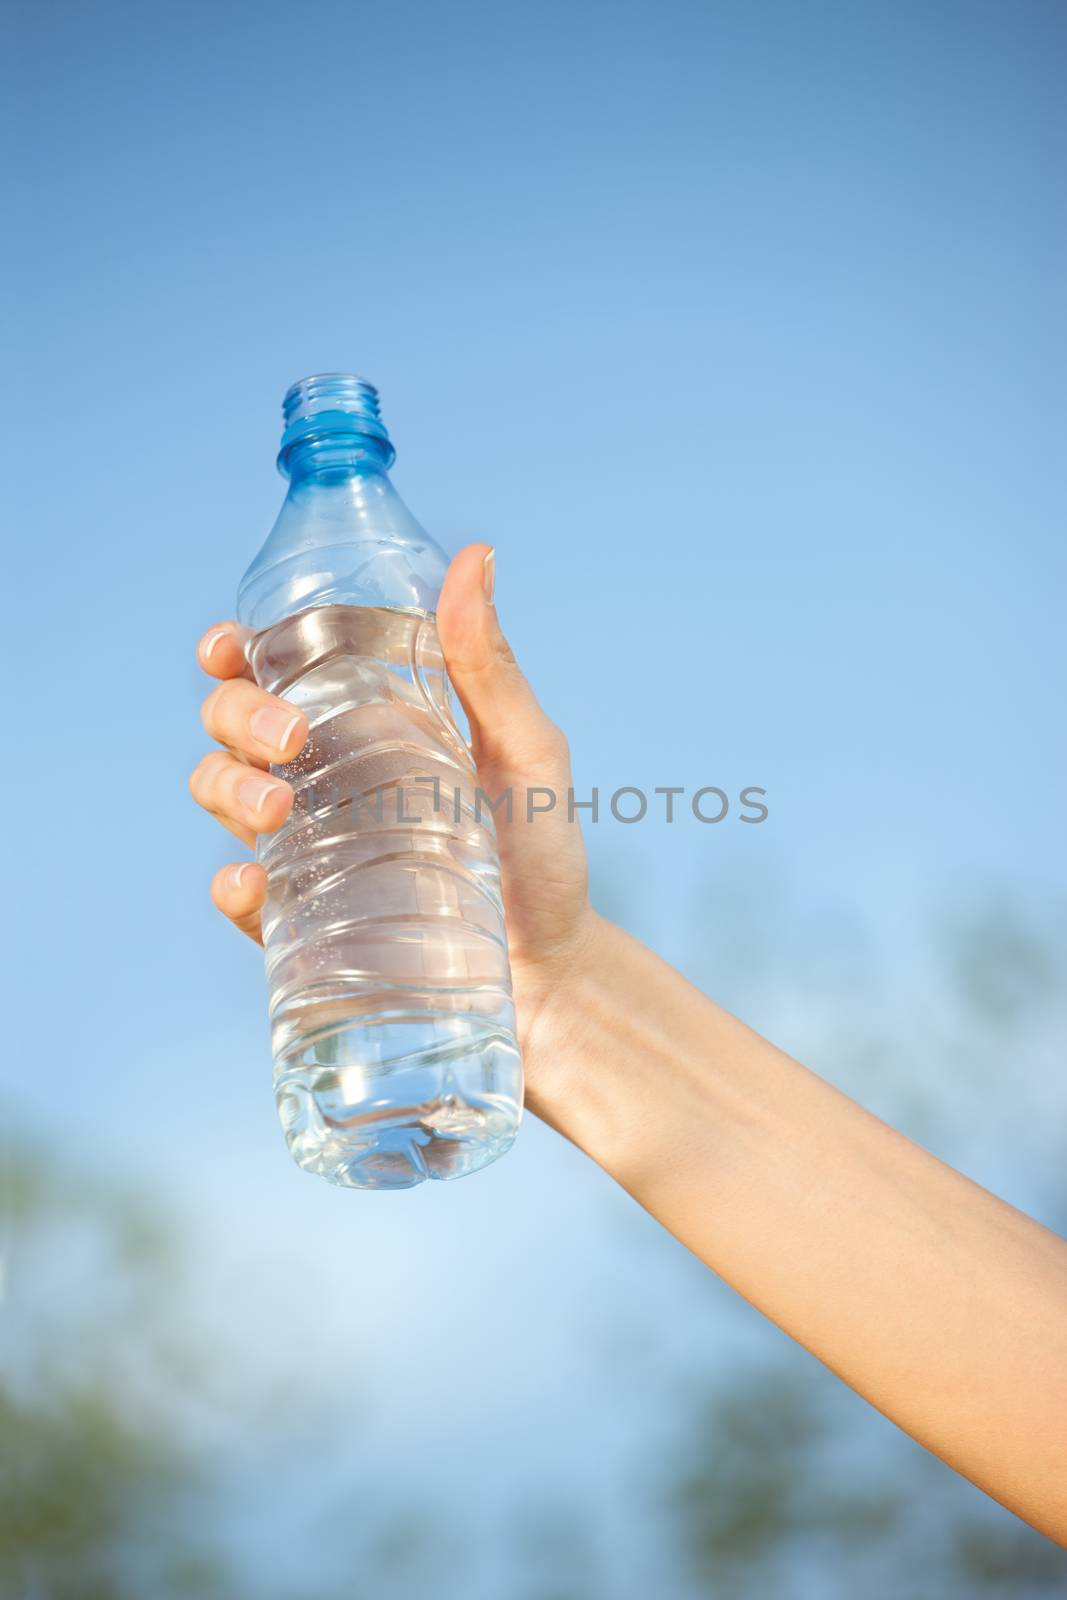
393	1029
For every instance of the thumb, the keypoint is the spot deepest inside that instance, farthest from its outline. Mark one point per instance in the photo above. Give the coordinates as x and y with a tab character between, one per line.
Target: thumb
508	726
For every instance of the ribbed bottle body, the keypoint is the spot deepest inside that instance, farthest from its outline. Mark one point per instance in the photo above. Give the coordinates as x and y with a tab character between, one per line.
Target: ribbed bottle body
393	1030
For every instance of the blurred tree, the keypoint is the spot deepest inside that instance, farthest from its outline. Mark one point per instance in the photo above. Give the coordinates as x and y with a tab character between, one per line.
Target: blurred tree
101	1498
117	1481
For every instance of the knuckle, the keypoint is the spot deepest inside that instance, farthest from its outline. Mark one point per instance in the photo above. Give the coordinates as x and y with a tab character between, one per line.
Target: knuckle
204	776
557	743
543	750
210	710
218	895
243	810
469	663
484	658
503	654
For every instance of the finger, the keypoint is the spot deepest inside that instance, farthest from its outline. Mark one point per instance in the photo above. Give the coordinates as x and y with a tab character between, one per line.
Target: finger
256	724
507	723
247	800
221	651
239	892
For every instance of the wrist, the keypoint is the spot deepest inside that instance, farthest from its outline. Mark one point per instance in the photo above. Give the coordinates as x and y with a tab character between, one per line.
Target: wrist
555	998
596	1050
632	1063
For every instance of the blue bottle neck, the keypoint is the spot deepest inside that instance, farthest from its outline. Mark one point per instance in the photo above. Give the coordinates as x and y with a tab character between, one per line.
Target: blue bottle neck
331	459
333	429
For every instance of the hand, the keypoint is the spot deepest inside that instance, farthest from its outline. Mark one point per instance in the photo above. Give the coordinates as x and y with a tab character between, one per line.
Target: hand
549	921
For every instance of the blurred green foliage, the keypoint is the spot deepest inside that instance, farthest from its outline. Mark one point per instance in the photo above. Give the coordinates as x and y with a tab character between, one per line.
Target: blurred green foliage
776	1481
100	1496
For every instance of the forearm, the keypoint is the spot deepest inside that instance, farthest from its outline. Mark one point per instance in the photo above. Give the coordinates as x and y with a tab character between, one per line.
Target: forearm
943	1306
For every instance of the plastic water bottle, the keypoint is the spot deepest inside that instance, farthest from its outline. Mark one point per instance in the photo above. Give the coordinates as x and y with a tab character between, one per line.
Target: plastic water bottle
393	1030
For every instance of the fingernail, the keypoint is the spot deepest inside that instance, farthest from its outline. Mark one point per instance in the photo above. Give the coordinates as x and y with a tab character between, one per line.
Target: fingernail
211	641
273	726
489	575
255	792
237	874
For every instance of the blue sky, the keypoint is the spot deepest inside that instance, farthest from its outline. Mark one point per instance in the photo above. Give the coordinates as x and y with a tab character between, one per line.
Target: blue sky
738	329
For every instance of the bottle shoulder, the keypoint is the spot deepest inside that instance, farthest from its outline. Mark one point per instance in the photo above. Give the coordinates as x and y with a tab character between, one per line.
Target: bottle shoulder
350	542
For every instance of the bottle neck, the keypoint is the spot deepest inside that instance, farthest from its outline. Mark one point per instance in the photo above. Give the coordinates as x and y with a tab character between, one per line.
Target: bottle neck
333	430
332	459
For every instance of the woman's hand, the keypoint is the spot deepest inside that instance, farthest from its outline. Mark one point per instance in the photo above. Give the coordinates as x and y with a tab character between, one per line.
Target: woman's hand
549	921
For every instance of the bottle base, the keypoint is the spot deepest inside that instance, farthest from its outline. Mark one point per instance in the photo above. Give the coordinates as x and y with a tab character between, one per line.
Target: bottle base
367	1144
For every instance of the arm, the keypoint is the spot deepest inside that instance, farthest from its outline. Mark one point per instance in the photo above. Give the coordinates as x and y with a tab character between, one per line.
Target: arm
941	1305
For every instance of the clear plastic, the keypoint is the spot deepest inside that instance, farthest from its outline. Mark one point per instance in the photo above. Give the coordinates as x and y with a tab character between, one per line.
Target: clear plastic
393	1029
